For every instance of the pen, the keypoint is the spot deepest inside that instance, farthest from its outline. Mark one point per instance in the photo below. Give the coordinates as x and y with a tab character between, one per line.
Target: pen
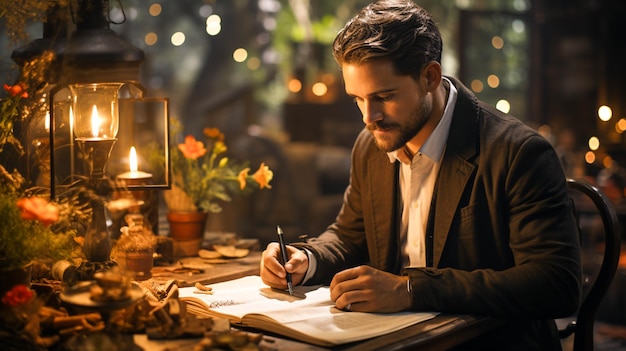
283	252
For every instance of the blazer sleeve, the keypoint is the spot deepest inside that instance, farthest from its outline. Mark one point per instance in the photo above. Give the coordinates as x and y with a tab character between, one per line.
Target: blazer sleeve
343	244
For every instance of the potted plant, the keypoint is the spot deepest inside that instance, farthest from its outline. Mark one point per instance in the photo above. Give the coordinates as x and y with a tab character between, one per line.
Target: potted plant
202	177
29	229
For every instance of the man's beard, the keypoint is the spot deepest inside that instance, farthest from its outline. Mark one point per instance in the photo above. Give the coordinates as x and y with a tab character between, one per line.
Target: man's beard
405	132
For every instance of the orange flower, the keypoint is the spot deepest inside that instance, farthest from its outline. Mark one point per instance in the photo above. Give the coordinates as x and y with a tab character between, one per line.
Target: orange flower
192	148
37	208
242	178
263	176
214	133
206	176
18	295
17	89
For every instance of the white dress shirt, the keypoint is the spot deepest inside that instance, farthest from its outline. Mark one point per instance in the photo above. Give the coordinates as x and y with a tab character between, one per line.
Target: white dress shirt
417	183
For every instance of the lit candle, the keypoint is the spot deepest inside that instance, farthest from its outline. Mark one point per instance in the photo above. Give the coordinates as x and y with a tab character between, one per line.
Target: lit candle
134	172
46	122
132	159
95	122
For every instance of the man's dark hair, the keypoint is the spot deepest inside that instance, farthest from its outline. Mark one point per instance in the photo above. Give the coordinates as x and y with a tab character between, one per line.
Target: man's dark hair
396	30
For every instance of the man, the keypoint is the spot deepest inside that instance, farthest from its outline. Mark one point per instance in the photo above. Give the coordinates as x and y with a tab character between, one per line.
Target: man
452	205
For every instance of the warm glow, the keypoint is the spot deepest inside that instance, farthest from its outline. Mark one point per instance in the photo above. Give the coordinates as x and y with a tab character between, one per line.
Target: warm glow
594	143
240	55
477	86
178	38
95	122
503	105
294	85
134	173
607	162
132	159
46	121
590	157
71	118
155	10
493	81
95	110
150	38
319	89
605	113
497	42
620	126
213	25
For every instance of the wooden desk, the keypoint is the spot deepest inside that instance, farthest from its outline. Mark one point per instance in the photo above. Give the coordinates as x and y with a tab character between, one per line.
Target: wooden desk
190	270
439	333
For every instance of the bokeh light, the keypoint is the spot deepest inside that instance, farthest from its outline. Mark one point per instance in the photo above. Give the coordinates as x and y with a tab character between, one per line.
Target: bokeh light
178	38
503	105
605	113
593	143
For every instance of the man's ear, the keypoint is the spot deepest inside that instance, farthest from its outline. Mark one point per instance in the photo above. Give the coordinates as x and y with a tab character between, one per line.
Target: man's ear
432	75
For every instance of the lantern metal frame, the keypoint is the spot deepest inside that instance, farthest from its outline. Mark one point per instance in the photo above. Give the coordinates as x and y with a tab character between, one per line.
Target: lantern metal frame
93	53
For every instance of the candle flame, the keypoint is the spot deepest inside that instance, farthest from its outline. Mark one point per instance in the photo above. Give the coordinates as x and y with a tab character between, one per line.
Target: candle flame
46	121
95	121
133	159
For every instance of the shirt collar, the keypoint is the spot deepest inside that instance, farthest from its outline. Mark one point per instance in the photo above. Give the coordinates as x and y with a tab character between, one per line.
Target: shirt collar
435	144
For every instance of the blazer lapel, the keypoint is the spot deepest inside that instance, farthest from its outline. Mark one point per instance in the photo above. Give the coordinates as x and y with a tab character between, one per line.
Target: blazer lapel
456	167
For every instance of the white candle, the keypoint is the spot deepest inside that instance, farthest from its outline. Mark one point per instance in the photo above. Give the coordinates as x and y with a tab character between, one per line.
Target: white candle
134	172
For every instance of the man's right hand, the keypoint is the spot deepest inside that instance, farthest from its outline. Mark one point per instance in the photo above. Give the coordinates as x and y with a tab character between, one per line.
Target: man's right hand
272	271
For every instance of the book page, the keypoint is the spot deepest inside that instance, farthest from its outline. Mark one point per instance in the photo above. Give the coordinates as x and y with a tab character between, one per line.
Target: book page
236	298
311	316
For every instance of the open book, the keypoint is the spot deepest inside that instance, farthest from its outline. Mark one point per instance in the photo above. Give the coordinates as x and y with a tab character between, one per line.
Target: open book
309	316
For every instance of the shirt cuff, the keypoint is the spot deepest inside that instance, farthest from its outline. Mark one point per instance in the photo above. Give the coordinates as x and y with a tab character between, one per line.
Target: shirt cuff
312	266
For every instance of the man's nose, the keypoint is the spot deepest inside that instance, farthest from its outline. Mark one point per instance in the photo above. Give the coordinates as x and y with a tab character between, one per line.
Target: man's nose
371	114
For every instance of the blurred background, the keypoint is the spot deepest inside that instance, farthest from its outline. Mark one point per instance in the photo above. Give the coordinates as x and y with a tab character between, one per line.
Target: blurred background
262	72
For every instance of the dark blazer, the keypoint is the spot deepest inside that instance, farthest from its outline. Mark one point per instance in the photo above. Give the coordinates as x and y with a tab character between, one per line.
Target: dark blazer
501	237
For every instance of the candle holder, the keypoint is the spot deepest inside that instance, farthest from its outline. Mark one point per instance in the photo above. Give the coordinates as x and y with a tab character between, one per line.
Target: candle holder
95	109
96	122
96	154
134	183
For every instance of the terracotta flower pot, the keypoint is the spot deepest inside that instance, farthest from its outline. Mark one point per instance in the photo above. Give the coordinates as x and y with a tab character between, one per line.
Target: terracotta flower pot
187	231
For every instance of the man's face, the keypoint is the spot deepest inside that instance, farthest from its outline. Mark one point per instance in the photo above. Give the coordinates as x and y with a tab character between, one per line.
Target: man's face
394	107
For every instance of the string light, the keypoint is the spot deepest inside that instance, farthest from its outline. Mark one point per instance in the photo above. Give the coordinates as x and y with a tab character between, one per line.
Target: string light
594	143
503	105
605	113
213	25
240	55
